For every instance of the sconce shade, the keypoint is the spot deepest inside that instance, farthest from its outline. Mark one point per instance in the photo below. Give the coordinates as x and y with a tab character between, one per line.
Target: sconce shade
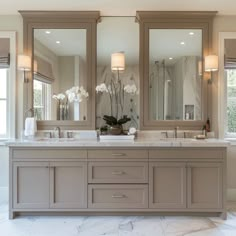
211	63
24	62
118	61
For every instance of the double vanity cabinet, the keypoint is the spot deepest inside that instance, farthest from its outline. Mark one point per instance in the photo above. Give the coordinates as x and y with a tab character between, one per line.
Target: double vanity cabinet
117	179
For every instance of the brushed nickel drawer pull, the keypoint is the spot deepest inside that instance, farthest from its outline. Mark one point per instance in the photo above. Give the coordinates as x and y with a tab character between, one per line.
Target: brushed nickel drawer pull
117	172
118	154
118	196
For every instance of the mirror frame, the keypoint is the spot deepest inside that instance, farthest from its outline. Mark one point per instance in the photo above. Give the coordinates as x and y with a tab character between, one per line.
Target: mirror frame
173	20
66	20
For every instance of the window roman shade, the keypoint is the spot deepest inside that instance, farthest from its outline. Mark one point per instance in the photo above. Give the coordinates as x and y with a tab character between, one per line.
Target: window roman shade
43	72
4	53
230	54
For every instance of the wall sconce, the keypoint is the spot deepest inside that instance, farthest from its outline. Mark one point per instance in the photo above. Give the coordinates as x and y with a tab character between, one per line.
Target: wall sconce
24	63
211	65
118	63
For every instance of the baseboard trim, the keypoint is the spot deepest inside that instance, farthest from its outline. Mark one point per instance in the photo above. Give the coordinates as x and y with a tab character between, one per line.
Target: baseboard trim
4	194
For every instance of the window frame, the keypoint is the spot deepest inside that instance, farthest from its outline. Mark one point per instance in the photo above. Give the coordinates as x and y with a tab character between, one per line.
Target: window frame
222	88
11	87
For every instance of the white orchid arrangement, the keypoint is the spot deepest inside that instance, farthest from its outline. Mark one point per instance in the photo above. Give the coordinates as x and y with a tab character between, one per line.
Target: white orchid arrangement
131	89
59	96
76	94
116	91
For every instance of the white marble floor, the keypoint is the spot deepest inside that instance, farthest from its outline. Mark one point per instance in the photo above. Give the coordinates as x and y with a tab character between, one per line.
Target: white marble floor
116	226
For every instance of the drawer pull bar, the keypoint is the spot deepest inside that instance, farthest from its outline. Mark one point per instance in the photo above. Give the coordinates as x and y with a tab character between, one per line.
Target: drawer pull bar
117	173
118	154
118	196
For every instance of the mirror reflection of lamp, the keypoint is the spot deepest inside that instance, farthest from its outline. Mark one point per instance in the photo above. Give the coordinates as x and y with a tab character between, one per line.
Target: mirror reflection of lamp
24	64
211	65
118	62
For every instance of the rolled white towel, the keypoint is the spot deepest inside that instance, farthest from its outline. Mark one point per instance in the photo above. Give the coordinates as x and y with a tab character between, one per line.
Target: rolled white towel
30	126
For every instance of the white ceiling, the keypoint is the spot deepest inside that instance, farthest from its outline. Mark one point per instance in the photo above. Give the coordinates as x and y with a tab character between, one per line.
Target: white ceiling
120	7
166	43
72	41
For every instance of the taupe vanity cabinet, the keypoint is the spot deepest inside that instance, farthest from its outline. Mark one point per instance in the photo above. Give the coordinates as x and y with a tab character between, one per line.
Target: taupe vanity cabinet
30	184
142	180
68	184
49	179
204	185
167	185
50	184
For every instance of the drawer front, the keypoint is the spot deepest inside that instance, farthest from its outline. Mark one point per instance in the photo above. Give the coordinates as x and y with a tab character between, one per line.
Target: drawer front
117	153
118	172
45	153
118	196
187	153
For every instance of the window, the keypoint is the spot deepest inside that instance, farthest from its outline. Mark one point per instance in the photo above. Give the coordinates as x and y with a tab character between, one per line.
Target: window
3	102
42	100
7	84
230	77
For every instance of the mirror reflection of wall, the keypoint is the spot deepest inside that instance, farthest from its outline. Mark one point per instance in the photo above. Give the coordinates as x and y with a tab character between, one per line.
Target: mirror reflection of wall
118	34
59	65
175	74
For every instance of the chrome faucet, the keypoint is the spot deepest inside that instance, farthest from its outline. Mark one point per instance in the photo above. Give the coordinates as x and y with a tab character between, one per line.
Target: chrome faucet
57	132
176	132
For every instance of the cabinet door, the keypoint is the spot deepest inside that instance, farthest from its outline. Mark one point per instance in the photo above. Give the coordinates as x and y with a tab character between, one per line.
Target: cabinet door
31	185
205	185
167	185
68	185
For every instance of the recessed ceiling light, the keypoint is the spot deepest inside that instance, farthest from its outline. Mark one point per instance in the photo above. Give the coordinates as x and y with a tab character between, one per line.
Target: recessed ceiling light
182	43
170	58
191	33
58	42
48	32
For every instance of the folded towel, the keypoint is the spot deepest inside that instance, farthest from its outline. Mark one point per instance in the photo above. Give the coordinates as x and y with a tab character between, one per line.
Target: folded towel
30	126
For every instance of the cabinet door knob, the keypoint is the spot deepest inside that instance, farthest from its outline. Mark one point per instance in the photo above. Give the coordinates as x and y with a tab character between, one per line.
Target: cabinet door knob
118	196
117	172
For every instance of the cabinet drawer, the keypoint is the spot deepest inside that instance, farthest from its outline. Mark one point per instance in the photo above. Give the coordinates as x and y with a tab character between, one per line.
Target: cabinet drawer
118	196
118	172
186	153
48	153
117	153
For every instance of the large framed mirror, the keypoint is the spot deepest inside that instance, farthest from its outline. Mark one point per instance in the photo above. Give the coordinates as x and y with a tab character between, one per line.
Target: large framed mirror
174	91
62	46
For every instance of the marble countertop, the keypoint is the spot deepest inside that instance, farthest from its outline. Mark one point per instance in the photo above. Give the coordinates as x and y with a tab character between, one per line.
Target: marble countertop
140	142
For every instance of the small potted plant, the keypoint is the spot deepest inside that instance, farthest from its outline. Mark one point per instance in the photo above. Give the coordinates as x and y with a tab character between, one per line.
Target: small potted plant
115	125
